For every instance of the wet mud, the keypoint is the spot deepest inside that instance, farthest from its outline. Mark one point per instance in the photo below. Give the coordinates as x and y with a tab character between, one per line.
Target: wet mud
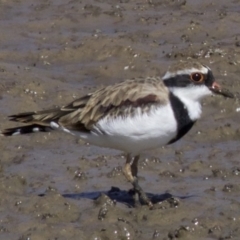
53	186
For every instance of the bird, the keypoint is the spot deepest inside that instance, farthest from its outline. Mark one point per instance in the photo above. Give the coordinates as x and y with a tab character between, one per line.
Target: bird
131	116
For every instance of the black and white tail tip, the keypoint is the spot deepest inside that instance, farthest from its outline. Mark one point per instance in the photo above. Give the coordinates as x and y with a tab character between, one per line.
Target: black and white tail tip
25	130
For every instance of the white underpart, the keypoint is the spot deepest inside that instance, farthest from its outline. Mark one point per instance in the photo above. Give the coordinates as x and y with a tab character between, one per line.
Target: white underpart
191	97
134	134
56	126
17	132
36	129
203	70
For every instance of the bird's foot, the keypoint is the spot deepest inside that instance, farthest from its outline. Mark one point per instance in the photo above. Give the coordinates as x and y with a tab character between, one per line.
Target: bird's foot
139	194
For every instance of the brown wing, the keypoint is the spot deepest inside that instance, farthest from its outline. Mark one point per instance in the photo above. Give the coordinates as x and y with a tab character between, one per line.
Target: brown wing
40	121
43	118
118	100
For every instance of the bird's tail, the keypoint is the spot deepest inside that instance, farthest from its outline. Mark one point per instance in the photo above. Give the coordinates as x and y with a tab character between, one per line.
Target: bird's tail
44	121
25	129
37	122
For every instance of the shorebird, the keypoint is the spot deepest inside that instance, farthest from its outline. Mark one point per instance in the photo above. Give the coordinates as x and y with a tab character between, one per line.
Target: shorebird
131	116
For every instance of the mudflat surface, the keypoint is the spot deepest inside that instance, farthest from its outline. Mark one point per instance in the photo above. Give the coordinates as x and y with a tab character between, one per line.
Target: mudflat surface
53	186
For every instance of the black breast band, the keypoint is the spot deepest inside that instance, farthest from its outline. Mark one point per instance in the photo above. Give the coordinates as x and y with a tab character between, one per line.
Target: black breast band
184	122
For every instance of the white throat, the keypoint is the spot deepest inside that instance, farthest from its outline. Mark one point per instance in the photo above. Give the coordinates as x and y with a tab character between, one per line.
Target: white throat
191	97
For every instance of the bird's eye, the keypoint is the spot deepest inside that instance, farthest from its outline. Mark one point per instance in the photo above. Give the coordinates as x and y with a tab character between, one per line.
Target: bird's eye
197	77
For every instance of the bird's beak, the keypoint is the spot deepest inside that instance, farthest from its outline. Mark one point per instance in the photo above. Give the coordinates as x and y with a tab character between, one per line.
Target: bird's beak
216	88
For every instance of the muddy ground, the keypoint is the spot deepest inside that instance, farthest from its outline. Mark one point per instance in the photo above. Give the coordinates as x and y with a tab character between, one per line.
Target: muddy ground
54	51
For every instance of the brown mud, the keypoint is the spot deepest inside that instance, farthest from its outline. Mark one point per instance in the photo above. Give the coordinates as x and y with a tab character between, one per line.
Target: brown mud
54	51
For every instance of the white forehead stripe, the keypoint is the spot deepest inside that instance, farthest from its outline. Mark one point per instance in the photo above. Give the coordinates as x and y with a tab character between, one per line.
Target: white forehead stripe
188	71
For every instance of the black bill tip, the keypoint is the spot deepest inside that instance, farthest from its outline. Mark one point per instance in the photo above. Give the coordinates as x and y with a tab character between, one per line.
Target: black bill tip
215	88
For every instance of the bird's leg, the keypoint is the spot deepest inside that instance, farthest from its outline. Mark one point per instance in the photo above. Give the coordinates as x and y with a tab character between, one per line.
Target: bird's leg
130	171
134	166
134	170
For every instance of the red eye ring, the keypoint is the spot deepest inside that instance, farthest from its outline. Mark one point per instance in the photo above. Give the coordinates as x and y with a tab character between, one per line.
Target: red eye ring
197	77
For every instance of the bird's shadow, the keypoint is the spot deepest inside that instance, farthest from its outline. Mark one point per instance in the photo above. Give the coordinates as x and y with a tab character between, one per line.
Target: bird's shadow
121	196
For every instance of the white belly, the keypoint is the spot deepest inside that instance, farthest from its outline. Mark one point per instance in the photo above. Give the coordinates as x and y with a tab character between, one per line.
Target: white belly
134	134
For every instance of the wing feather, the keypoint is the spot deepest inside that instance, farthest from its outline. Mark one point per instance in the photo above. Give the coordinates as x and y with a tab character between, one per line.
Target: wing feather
117	100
